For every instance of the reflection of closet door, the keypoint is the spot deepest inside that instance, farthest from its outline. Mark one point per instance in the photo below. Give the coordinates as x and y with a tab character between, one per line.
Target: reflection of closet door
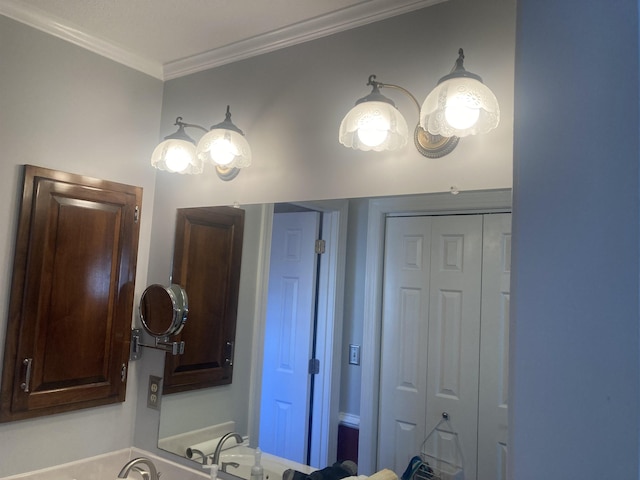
404	340
454	335
431	317
446	287
494	352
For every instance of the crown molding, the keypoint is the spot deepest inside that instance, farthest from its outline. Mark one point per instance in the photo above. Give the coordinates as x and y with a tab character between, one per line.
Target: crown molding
44	22
357	15
363	13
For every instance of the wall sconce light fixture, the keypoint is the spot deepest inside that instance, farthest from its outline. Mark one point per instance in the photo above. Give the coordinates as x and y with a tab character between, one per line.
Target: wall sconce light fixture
460	105
223	145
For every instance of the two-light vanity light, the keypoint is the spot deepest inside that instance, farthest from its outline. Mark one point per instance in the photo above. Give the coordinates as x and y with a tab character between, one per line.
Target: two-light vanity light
460	105
223	145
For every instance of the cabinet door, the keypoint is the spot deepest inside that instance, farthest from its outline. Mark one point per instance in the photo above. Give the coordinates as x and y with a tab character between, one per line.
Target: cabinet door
206	263
67	343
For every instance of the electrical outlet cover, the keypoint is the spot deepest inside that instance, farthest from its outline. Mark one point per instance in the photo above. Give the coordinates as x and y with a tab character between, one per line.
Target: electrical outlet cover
154	392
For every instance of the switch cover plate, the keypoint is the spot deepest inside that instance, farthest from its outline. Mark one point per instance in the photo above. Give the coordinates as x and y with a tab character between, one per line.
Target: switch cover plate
354	354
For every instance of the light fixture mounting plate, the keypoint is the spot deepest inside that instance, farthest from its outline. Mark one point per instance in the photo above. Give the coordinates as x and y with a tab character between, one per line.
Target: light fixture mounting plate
433	146
227	174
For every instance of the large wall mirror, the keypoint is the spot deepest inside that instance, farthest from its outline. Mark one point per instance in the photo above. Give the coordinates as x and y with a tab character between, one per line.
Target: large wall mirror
343	286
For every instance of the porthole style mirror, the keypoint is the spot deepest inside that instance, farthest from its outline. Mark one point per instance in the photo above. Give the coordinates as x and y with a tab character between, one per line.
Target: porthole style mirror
163	310
163	313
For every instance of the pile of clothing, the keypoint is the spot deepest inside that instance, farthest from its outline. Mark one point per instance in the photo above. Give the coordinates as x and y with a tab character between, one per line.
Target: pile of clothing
346	470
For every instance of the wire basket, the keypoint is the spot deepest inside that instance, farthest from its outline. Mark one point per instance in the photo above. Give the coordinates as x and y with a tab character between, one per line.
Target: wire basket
440	454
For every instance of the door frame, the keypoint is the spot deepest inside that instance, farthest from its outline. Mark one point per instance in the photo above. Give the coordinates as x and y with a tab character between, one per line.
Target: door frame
488	201
329	331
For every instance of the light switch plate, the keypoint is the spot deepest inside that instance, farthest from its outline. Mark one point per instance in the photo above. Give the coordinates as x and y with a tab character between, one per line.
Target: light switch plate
354	354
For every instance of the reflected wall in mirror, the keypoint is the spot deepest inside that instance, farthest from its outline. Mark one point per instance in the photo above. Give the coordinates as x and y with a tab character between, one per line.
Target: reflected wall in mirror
360	323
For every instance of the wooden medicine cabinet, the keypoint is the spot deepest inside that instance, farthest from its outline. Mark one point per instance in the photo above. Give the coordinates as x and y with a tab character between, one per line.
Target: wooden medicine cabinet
206	263
70	312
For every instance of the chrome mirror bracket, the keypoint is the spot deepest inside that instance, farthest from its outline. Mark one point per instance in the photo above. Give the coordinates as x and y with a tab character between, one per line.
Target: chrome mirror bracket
174	348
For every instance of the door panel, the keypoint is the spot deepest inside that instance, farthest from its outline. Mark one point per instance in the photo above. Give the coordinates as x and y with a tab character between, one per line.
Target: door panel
494	354
72	294
288	335
206	263
404	340
454	332
430	338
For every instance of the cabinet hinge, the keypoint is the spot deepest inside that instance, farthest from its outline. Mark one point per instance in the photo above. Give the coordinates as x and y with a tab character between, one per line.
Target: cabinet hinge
136	214
314	366
320	246
123	373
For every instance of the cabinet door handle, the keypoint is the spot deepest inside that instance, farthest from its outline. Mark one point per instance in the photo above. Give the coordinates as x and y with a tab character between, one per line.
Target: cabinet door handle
27	374
228	361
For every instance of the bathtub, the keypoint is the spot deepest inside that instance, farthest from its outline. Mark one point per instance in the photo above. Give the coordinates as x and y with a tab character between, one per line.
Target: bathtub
273	466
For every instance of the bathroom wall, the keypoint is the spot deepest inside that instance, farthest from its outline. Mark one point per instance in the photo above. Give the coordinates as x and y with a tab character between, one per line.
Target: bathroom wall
574	366
64	108
574	361
290	103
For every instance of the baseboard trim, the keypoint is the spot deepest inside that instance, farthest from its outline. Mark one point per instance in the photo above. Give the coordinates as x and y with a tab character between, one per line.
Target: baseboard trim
349	420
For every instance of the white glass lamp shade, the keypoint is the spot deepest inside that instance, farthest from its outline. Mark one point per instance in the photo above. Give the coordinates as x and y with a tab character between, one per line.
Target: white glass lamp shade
225	148
224	145
460	106
374	125
177	156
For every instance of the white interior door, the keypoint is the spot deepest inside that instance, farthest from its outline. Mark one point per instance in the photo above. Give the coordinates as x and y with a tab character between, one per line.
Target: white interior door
288	336
494	351
454	335
404	340
430	337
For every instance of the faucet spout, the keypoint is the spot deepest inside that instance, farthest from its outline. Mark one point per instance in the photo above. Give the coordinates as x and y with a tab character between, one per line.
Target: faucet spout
215	459
133	464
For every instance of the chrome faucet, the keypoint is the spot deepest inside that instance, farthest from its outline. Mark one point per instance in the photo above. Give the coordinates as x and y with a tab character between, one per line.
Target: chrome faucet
152	474
215	459
225	465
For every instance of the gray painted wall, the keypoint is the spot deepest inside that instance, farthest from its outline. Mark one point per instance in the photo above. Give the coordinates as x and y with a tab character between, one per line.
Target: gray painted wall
574	336
351	375
64	108
574	356
290	103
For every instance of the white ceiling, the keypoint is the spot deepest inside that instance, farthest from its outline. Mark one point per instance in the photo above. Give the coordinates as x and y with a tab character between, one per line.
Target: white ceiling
172	38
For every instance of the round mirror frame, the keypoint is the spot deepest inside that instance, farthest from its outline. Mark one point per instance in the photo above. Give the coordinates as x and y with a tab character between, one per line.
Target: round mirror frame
177	297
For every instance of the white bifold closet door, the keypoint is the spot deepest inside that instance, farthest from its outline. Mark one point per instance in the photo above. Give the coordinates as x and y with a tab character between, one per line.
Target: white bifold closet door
494	348
431	337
